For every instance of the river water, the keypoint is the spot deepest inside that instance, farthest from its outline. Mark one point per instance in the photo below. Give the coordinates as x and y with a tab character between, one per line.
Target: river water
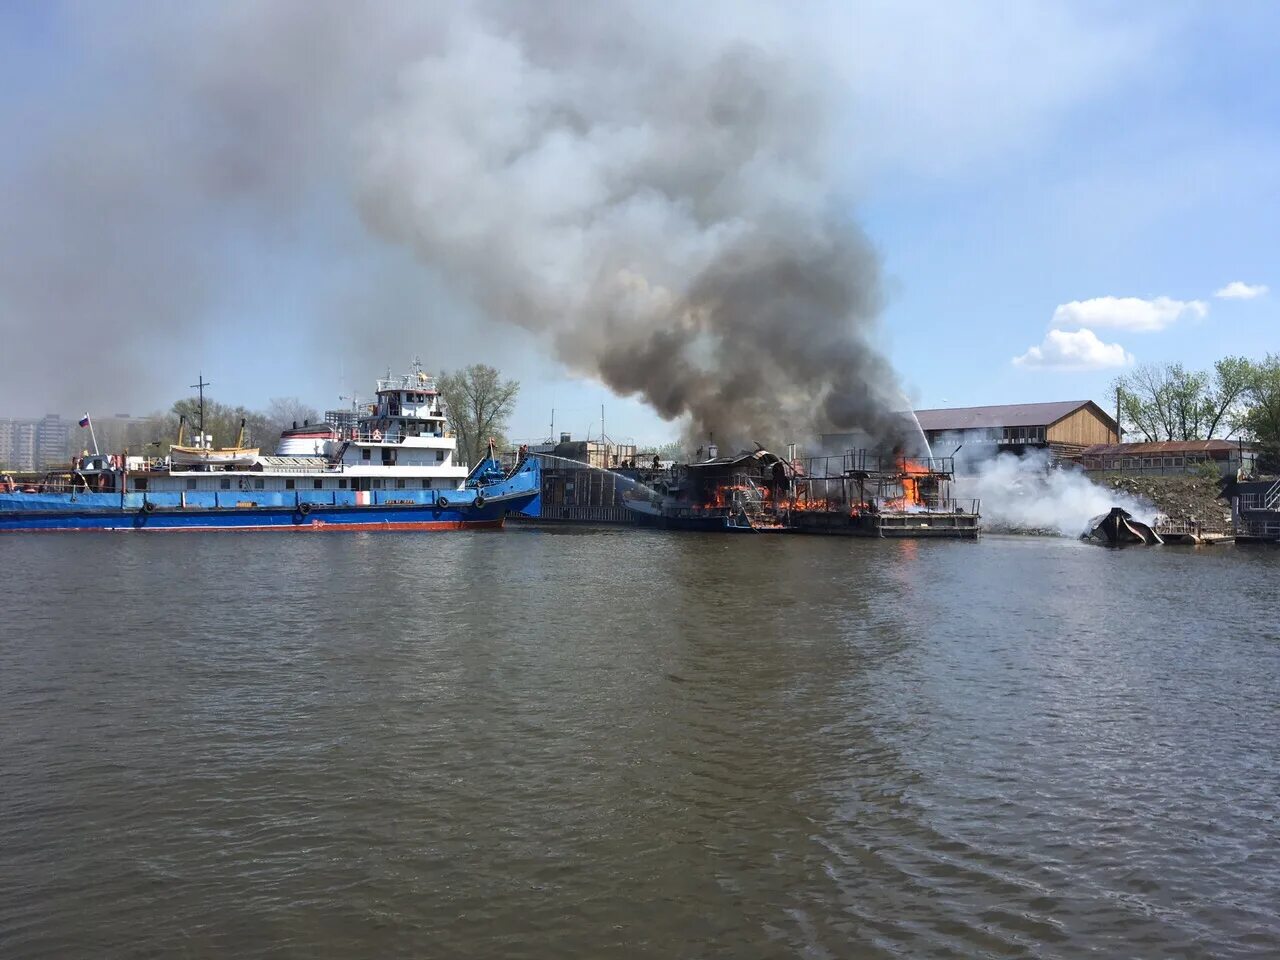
552	743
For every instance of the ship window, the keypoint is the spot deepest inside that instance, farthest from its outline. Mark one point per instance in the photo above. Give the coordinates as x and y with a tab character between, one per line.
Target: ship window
439	456
377	485
140	483
288	483
364	454
191	483
400	483
258	483
317	484
426	484
225	483
342	484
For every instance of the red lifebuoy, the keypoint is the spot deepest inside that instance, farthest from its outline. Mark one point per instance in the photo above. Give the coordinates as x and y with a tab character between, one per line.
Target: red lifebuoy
377	434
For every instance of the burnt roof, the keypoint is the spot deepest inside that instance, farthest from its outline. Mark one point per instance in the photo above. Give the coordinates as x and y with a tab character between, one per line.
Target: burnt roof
1161	446
1005	415
763	455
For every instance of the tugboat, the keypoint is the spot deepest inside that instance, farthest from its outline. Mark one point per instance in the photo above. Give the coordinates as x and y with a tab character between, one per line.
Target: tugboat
392	468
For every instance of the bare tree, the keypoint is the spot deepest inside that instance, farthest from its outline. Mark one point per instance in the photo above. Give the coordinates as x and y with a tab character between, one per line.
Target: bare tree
281	414
1145	405
479	404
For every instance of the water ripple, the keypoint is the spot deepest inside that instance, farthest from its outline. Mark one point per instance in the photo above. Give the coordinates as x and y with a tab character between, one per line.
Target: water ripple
547	743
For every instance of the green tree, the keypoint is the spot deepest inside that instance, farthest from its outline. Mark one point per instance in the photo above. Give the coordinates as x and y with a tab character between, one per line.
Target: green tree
1228	390
1260	418
1168	402
479	404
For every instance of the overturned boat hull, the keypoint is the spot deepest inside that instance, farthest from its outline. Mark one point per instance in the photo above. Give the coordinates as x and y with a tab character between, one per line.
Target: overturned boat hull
1119	529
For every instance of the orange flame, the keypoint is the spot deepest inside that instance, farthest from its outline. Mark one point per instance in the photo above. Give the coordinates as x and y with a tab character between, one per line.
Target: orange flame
910	472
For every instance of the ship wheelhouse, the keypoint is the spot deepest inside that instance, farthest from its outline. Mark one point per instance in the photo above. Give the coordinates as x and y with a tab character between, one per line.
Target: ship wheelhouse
401	441
406	429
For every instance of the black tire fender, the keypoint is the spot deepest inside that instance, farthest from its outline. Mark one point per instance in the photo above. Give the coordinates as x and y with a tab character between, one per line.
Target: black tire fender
148	507
304	507
479	501
442	501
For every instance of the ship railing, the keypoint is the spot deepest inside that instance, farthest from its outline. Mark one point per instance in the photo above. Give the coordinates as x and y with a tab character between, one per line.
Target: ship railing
838	502
1261	501
409	382
390	436
1189	527
1266	526
49	484
943	505
376	436
1252	501
870	463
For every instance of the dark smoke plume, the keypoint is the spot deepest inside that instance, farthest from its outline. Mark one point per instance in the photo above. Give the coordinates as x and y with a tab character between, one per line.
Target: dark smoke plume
660	203
651	190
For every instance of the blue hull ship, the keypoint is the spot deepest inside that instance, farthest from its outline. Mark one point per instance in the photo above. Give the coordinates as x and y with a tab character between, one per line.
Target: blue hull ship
391	468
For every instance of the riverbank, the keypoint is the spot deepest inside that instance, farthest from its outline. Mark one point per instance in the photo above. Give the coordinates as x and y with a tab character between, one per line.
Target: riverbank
1178	497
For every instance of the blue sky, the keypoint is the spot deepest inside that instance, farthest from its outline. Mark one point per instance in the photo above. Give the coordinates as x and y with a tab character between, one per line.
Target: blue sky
1006	160
1165	183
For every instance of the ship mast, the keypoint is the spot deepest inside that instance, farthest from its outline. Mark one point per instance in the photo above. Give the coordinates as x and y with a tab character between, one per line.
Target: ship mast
201	385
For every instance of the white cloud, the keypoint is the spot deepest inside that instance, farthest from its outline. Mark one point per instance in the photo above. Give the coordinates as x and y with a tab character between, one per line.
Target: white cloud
1239	290
1127	313
1074	350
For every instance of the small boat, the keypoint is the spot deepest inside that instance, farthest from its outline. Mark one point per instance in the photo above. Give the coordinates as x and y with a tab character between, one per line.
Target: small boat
1119	529
201	457
210	457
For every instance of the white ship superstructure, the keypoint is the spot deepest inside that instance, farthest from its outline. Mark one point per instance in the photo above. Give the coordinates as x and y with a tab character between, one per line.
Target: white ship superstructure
401	441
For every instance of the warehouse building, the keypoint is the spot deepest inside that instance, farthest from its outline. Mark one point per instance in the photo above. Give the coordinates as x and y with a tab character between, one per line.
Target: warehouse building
1230	458
1065	428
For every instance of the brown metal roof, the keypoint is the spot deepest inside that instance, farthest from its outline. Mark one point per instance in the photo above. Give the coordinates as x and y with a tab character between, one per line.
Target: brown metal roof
1161	447
1004	415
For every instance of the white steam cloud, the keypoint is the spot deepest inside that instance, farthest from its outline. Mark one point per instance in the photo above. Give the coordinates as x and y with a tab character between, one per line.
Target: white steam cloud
1026	493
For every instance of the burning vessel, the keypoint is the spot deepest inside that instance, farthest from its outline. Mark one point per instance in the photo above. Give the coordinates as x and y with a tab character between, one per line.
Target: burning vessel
859	494
865	494
741	493
393	468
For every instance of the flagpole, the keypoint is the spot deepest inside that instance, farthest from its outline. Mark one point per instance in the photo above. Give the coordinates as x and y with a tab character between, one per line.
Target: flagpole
93	435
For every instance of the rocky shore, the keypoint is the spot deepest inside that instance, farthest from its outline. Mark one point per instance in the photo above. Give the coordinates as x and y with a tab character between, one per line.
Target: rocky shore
1178	497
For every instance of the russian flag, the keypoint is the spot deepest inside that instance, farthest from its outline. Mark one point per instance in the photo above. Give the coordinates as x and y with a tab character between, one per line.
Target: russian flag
84	421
